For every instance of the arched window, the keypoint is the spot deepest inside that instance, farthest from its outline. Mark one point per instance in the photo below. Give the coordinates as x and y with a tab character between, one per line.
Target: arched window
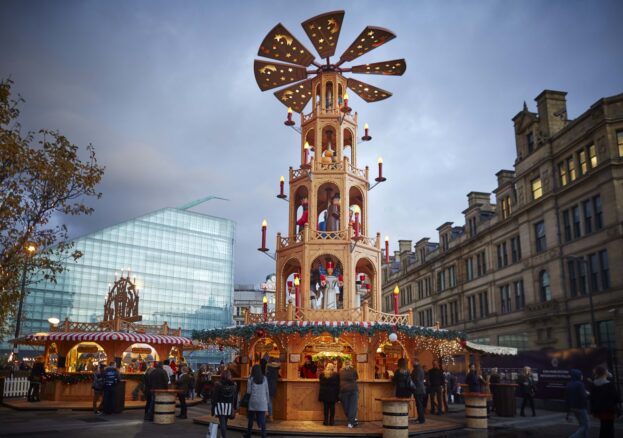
546	291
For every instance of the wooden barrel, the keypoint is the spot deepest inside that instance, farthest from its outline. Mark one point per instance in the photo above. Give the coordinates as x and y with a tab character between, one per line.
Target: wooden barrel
164	406
476	411
395	417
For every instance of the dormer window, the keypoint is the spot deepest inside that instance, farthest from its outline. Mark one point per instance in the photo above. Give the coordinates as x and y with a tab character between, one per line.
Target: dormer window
530	142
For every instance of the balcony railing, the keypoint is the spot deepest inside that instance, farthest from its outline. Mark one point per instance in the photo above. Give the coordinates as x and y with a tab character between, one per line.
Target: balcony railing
308	235
334	166
118	325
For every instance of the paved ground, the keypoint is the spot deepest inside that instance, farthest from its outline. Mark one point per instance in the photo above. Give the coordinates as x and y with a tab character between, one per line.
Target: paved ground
68	424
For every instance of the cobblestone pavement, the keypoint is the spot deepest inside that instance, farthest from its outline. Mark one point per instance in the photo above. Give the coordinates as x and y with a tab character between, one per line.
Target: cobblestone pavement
68	424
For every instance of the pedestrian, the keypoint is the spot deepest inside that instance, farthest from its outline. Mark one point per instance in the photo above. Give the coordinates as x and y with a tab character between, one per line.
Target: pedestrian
157	379
604	400
494	381
148	394
257	387
183	384
173	366
435	377
111	378
451	383
349	392
329	392
527	389
426	386
272	374
98	389
167	368
417	376
402	380
224	401
474	380
576	401
36	376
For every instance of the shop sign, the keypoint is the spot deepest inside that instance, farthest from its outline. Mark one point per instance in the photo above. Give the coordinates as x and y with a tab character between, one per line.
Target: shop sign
141	350
392	349
263	347
87	349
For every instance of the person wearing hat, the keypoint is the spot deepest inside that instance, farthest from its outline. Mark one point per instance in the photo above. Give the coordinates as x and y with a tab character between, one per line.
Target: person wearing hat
309	368
305	216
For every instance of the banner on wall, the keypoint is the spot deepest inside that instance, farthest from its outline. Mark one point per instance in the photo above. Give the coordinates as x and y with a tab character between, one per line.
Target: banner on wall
550	368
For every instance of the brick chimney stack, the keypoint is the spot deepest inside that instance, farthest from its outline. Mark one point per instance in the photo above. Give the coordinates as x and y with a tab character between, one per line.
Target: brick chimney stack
552	108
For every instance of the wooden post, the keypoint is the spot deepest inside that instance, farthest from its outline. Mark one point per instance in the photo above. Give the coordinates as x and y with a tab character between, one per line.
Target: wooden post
289	316
365	311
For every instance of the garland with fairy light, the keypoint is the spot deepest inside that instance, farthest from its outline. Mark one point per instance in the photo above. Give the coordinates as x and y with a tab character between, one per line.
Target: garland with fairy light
73	378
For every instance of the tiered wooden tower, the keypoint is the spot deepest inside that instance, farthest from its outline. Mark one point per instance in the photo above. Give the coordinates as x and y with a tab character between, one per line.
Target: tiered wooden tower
328	264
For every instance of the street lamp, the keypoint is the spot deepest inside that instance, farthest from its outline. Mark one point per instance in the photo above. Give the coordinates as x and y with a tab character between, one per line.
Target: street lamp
54	321
584	261
30	251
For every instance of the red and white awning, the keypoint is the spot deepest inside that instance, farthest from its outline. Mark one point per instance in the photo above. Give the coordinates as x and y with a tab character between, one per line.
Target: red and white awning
137	338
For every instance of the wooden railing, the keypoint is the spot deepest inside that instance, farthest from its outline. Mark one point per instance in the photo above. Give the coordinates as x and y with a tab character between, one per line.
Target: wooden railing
329	235
320	111
115	325
307	235
390	318
285	241
316	165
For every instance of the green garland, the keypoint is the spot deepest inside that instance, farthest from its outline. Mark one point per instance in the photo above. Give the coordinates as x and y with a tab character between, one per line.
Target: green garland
73	378
247	332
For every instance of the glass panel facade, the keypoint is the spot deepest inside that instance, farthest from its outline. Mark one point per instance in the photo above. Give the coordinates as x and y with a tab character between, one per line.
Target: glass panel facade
182	262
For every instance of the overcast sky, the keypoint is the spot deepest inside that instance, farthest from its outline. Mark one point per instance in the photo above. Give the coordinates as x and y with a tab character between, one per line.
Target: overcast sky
165	92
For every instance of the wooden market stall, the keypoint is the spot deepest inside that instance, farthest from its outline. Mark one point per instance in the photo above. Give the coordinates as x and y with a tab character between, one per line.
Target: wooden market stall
73	350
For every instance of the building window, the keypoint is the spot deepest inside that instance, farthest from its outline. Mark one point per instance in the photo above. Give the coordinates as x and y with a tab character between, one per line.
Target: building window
571	169
573	281
469	269
562	173
429	317
515	249
451	276
520	300
544	286
481	264
500	261
581	268
584	335
454	312
422	318
575	214
443	314
483	301
472	226
605	269
566	225
515	340
539	231
606	335
530	142
598	213
506	207
537	188
441	281
592	153
587	210
620	142
582	160
593	272
471	308
505	299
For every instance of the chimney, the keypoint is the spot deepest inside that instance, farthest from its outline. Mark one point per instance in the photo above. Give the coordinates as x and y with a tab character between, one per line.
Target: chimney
476	199
552	108
404	245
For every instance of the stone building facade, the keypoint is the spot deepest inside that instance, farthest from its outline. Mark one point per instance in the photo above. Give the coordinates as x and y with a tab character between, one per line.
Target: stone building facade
519	272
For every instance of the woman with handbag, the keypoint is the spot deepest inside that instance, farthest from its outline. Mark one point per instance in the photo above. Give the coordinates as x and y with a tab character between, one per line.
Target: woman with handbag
224	397
257	388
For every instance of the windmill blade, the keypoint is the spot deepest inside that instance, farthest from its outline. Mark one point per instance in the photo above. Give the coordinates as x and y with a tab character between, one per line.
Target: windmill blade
296	96
324	31
275	74
280	44
371	38
395	67
367	92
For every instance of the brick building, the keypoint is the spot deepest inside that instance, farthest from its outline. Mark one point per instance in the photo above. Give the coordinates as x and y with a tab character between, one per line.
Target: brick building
519	272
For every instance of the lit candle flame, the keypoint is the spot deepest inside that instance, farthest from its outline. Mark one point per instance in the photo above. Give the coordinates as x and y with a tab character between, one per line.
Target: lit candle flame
345	96
380	160
264	300
356	209
282	179
297	281
387	238
289	110
365	126
396	290
264	223
306	146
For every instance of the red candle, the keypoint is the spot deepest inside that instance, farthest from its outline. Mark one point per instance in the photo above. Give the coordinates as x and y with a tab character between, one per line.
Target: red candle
289	114
380	161
396	292
265	307
365	130
296	291
345	100
281	184
264	224
387	249
356	225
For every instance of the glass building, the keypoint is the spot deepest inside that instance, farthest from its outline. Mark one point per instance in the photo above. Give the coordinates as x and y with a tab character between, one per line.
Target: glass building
182	263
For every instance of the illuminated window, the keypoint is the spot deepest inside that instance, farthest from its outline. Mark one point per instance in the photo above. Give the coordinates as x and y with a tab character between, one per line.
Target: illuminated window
592	153
537	188
562	171
582	161
620	142
571	169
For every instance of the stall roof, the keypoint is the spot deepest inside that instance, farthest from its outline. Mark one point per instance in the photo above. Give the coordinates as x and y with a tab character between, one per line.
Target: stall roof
41	338
491	349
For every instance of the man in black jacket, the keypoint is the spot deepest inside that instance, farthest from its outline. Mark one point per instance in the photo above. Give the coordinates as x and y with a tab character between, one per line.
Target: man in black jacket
157	379
435	376
36	375
111	377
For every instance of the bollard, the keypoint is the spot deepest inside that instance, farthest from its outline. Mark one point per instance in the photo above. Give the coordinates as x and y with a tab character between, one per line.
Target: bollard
476	410
164	406
395	417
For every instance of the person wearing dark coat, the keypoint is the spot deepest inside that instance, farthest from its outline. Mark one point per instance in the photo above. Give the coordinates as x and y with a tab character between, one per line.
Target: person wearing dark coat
36	376
156	379
272	375
111	377
402	380
349	392
224	400
436	380
604	400
329	392
576	401
473	380
183	383
527	389
418	377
